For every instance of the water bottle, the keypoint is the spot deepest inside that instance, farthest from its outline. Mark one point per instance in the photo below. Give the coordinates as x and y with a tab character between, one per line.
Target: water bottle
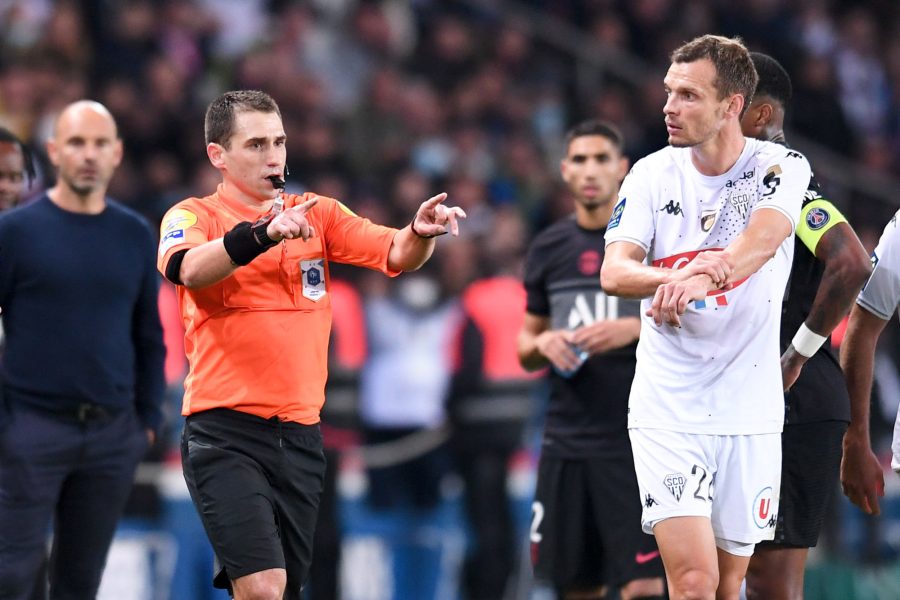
582	356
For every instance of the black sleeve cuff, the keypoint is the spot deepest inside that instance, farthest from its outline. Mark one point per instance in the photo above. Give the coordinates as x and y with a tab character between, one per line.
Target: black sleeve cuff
173	267
245	242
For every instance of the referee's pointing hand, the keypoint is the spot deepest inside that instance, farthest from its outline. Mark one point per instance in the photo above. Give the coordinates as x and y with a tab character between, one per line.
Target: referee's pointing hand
433	218
292	223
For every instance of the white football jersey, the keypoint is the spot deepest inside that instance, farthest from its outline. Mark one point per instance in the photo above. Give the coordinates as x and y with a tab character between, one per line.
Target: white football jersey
881	295
720	373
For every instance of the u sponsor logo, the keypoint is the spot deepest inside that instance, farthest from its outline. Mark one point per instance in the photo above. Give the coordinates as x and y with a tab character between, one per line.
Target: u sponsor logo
762	508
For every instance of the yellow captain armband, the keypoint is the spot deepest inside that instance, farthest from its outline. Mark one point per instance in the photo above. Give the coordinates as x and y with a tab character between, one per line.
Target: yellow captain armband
816	218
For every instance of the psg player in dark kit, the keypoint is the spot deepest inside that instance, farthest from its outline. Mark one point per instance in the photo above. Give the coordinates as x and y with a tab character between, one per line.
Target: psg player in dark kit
586	520
830	266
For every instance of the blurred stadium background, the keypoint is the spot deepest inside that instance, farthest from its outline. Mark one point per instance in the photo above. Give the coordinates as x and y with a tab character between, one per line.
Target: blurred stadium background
387	101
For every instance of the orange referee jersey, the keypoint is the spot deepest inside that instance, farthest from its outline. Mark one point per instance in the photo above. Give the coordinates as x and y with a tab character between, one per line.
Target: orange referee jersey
257	341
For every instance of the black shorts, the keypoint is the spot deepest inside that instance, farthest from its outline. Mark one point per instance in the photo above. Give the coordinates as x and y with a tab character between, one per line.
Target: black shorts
586	524
810	471
256	484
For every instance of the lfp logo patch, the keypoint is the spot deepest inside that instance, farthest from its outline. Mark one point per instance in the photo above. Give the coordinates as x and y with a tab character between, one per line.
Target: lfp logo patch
817	218
178	219
617	214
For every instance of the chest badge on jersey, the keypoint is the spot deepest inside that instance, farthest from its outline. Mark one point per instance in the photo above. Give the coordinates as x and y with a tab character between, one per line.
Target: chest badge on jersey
708	219
589	262
741	202
312	276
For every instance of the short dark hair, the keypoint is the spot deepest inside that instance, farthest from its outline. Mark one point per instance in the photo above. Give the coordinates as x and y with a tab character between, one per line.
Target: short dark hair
735	73
27	157
596	127
774	81
219	122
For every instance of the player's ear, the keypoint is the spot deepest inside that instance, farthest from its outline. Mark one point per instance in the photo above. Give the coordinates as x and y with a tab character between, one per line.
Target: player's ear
765	114
736	105
215	153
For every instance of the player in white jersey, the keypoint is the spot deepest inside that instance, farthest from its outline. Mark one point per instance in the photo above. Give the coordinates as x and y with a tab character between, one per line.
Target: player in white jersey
703	232
861	475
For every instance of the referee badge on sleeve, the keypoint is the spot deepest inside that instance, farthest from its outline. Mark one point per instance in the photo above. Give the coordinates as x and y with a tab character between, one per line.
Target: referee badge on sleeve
312	276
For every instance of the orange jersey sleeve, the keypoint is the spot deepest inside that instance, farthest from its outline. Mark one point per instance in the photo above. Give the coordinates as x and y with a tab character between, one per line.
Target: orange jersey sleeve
353	239
184	226
257	341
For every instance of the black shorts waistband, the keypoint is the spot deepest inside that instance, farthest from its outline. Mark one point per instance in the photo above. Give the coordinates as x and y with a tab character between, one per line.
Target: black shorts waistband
228	415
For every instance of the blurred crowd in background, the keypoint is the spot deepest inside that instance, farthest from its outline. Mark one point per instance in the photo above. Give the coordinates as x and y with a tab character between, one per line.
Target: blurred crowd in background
473	97
386	102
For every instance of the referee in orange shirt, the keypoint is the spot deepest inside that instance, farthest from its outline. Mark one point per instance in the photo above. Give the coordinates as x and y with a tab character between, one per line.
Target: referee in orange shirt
252	269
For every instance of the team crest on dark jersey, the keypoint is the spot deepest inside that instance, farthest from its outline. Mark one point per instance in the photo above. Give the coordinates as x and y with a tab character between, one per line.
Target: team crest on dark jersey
817	218
589	262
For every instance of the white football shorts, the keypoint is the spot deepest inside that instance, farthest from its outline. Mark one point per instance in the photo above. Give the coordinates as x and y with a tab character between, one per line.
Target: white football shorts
733	480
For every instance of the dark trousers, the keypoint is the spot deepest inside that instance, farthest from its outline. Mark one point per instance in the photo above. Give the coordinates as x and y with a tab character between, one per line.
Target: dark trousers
412	483
76	474
490	561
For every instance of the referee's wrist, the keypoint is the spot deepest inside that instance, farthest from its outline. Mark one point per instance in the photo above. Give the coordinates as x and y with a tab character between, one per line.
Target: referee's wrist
244	242
412	226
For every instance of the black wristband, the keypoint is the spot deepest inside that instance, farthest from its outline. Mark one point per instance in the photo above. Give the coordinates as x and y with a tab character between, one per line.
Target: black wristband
412	226
243	243
261	234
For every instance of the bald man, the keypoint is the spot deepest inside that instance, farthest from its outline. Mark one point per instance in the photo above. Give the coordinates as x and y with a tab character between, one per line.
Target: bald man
83	367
